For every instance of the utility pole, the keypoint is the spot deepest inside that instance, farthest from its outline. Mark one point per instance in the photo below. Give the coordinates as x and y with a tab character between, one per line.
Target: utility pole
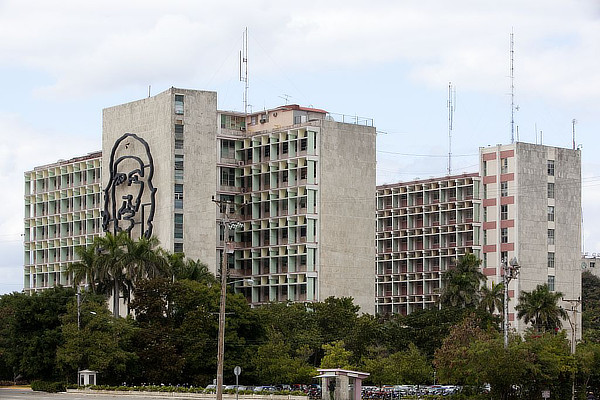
510	272
224	207
574	309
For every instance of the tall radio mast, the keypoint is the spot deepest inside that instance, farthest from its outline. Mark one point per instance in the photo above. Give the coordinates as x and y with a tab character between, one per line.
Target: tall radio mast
244	68
512	89
451	105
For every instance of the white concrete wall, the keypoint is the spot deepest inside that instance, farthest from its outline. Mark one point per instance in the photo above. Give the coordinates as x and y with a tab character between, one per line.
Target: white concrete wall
347	187
153	119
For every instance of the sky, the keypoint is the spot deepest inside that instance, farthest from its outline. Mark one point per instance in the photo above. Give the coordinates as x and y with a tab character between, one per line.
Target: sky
62	62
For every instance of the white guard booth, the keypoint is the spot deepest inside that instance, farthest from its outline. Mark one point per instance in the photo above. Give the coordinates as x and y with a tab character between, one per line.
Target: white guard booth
87	377
341	384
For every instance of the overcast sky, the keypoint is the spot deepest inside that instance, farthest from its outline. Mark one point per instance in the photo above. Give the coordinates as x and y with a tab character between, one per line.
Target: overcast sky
62	62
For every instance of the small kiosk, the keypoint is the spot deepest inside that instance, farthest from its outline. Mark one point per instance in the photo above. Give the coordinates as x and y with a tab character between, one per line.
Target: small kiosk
87	377
341	384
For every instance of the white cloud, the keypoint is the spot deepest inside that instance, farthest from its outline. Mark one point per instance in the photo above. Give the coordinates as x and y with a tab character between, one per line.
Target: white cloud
103	46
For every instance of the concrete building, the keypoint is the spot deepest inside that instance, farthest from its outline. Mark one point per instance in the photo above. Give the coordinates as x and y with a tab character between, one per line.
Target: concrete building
301	184
532	211
62	211
423	226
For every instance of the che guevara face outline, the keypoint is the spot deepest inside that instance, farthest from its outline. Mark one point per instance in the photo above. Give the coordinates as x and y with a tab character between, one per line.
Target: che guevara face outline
125	202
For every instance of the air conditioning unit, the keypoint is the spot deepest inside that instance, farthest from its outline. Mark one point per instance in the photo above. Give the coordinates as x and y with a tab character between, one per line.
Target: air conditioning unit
263	120
240	163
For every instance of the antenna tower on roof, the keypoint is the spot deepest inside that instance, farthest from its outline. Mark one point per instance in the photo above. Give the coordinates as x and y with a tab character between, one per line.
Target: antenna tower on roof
451	107
244	68
513	107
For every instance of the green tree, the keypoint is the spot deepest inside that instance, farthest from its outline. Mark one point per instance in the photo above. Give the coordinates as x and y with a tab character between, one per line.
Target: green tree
275	362
590	296
540	308
101	342
453	360
461	283
30	332
492	299
336	356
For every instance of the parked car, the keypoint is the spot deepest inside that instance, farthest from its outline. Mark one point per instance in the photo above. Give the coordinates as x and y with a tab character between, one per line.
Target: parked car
264	389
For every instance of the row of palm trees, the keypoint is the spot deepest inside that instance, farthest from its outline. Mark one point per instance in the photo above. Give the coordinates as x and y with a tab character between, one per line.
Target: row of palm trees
464	285
115	264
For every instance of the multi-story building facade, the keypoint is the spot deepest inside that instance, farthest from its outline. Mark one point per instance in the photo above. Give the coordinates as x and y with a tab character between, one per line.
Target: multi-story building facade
532	212
62	211
423	226
300	183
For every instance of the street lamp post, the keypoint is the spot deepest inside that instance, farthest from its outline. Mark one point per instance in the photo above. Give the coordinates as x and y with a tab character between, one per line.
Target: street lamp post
227	225
574	309
510	272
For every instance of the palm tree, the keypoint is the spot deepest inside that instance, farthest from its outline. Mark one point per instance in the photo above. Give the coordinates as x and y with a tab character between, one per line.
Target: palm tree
110	270
540	308
461	283
84	270
492	299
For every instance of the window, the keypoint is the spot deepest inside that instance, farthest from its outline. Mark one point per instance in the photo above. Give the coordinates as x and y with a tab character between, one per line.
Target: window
485	214
551	237
485	237
178	166
178	104
504	165
267	151
550	190
303	174
485	191
592	264
228	149
551	283
550	167
303	144
178	248
550	260
504	257
178	195
284	176
504	235
485	164
504	189
227	177
550	213
178	226
178	137
284	148
504	211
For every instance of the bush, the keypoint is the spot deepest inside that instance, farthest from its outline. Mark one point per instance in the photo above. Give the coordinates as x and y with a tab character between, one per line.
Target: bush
49	387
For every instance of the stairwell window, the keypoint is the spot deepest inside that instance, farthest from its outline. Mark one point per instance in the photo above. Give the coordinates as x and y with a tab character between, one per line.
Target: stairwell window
178	226
551	283
504	166
504	212
550	190
550	167
504	235
504	189
178	104
551	237
550	213
178	196
550	260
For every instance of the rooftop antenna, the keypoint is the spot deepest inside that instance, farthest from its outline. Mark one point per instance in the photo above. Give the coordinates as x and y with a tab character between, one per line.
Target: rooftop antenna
451	106
574	122
285	97
513	107
149	87
244	68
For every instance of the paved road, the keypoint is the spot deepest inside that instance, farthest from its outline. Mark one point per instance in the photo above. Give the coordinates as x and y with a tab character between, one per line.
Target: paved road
21	394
